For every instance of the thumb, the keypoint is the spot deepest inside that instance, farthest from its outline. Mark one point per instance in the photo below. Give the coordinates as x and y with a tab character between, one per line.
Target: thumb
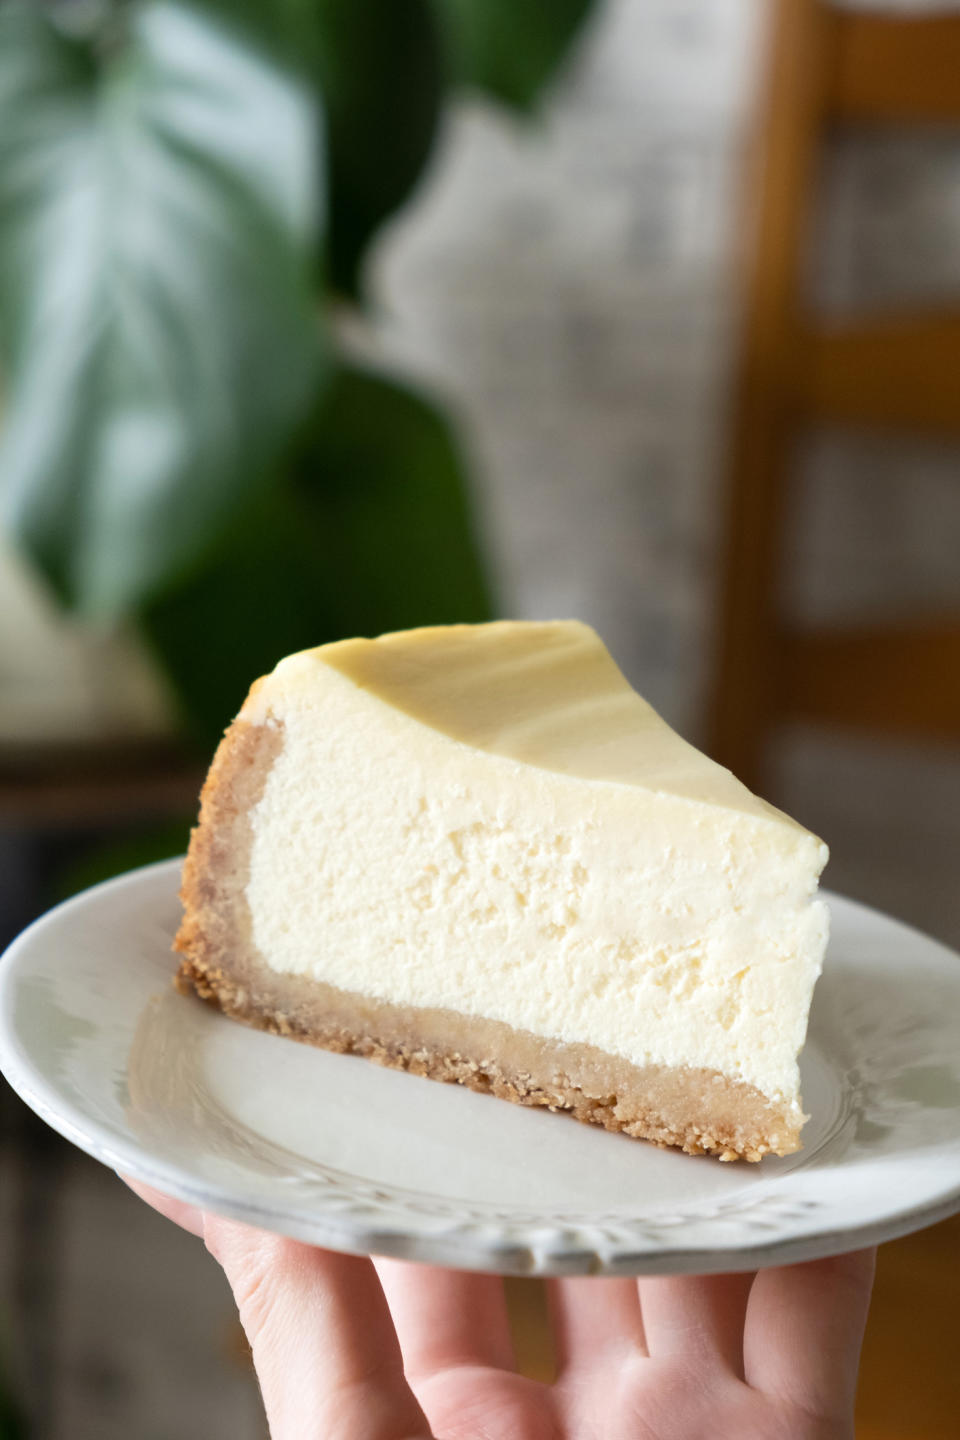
324	1347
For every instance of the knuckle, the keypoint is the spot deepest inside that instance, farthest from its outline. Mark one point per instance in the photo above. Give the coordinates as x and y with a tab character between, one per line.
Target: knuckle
254	1265
254	1293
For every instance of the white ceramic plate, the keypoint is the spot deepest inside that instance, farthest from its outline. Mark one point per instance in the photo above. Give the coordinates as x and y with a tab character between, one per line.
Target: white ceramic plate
339	1152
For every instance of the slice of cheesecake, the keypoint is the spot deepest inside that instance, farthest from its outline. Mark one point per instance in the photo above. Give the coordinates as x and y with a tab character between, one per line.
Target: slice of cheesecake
475	853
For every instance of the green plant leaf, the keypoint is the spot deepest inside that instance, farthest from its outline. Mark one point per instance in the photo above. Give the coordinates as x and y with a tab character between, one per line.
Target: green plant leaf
372	531
380	66
285	29
381	475
509	48
158	216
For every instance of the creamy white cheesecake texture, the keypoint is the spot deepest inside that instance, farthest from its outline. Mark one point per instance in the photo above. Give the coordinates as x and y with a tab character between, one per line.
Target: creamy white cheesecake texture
488	818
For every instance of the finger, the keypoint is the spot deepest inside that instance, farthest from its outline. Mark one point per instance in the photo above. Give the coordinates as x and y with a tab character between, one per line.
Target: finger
594	1318
188	1217
324	1347
446	1319
804	1331
698	1317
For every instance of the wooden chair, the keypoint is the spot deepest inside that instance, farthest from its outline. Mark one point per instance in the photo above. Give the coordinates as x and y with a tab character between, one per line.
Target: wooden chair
899	372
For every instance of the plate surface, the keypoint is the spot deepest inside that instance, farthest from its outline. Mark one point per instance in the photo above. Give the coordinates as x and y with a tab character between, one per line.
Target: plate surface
341	1153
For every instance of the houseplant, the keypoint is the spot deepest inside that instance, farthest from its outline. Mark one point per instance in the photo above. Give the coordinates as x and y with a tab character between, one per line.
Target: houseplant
187	192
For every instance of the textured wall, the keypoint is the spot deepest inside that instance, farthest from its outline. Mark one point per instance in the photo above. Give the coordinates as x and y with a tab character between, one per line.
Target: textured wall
565	283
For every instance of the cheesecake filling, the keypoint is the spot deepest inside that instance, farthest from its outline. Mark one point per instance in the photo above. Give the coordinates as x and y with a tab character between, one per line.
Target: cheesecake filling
427	867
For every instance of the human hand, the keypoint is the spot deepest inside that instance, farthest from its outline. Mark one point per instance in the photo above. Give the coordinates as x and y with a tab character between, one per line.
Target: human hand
352	1349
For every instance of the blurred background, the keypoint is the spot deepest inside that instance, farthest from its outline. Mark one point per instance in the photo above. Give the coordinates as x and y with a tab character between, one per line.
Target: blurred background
386	313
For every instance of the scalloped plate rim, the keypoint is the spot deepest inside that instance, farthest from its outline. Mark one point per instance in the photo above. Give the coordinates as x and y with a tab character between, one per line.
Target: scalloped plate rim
505	1254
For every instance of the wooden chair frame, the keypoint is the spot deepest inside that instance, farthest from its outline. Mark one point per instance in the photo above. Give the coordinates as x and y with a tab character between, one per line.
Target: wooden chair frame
899	372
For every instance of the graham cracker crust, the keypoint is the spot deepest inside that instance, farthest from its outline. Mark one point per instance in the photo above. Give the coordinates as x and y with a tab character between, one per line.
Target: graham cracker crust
699	1111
